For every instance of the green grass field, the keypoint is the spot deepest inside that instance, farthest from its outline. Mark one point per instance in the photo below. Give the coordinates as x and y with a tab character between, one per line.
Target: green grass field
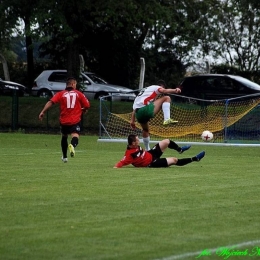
85	209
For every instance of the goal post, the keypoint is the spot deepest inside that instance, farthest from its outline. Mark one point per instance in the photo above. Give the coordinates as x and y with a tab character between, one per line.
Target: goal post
142	73
232	121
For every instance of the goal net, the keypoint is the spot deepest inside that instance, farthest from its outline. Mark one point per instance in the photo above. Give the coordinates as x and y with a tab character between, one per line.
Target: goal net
234	121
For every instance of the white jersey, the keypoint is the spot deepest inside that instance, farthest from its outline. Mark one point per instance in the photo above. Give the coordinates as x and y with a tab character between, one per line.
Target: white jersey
146	96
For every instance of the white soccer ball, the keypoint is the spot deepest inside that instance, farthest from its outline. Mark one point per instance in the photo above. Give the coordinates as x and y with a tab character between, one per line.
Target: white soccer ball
206	136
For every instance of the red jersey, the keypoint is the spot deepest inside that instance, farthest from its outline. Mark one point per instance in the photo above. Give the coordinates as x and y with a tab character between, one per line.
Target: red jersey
135	156
71	104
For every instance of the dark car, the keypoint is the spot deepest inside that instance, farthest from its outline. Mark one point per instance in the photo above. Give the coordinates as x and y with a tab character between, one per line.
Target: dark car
217	86
7	88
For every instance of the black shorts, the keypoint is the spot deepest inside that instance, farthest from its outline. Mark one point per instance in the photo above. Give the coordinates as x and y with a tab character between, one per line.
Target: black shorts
69	129
157	161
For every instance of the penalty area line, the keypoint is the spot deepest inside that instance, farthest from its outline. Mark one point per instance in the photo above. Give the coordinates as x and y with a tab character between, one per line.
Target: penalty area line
212	250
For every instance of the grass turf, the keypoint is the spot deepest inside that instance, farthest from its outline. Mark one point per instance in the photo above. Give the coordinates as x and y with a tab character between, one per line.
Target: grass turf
85	209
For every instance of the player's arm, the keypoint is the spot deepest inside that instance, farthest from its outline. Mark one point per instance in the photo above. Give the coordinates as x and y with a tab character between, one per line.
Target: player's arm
84	110
118	165
132	122
125	161
85	104
170	90
46	107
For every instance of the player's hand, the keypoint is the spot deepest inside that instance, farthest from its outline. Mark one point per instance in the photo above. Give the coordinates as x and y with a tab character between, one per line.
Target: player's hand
133	126
178	90
84	110
41	116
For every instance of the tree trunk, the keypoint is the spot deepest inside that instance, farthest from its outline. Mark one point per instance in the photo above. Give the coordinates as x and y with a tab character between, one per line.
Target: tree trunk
73	66
5	67
29	49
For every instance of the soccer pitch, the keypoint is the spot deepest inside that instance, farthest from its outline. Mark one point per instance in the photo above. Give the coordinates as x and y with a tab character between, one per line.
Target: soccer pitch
85	209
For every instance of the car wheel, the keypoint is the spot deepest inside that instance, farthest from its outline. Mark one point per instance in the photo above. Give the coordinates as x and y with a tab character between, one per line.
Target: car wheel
102	94
44	93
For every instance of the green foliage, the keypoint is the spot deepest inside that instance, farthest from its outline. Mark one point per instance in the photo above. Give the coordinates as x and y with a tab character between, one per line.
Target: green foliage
115	36
164	66
7	24
112	36
225	69
237	24
85	209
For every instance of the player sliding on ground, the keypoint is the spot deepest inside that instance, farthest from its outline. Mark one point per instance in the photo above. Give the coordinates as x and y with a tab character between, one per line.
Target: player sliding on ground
146	106
138	157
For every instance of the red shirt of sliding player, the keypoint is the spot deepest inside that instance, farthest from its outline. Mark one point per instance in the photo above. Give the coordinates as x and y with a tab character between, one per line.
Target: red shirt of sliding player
135	156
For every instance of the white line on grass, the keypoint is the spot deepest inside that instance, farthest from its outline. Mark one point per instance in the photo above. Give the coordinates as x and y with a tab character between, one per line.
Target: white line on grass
26	154
212	250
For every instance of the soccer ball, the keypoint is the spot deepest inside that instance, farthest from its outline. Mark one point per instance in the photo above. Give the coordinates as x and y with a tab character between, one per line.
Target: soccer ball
206	136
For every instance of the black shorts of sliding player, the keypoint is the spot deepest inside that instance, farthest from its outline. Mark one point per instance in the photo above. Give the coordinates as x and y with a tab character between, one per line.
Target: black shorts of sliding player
159	163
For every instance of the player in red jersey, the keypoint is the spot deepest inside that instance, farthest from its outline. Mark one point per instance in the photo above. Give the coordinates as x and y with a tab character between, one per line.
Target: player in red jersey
138	157
72	104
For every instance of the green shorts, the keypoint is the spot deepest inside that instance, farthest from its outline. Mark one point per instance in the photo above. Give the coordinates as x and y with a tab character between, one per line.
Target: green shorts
144	114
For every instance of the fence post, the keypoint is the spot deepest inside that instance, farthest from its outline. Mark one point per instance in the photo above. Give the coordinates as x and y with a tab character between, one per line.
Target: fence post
47	120
14	110
226	121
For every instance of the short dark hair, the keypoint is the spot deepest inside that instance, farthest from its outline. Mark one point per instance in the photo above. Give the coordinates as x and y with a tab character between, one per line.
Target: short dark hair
69	79
161	82
131	139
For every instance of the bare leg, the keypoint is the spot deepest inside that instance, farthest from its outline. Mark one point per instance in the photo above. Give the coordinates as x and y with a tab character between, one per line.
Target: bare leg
172	161
164	144
158	103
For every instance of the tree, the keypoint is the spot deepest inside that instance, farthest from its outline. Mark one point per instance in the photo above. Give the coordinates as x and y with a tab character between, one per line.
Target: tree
64	28
23	13
5	67
240	34
6	29
109	34
232	36
113	35
184	26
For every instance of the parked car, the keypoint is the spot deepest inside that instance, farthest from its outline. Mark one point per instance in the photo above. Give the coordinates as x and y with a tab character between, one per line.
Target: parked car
50	82
7	88
217	86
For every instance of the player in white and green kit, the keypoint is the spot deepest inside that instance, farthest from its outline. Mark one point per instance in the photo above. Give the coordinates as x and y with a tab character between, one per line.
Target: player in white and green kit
146	106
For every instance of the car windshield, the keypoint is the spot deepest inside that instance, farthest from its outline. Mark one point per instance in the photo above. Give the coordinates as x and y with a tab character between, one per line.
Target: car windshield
246	82
96	79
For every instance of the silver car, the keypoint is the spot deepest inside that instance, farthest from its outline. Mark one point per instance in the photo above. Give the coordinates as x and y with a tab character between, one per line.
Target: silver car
50	82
